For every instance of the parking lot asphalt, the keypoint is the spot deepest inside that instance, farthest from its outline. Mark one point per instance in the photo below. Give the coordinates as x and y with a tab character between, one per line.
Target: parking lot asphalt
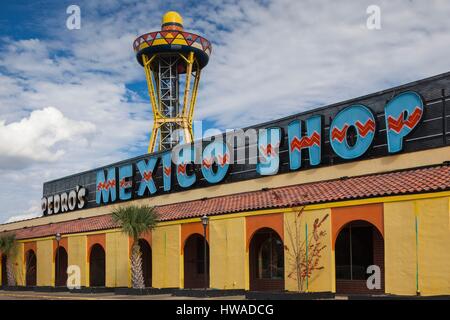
29	295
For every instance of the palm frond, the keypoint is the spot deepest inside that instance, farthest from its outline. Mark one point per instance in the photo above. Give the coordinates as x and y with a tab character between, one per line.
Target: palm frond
8	243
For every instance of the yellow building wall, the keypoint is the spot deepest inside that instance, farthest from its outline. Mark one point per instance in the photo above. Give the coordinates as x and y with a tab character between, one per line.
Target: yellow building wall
117	260
320	280
45	265
227	253
229	261
434	246
432	252
166	251
18	264
400	248
77	255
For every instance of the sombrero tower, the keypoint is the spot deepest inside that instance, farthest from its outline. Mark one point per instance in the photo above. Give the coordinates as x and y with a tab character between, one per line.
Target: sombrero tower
172	60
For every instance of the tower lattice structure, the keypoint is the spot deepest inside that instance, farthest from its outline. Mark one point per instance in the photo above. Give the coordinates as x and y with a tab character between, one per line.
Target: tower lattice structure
172	61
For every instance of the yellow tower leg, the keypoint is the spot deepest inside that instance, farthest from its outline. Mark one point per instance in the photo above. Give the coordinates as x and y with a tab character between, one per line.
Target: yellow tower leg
153	136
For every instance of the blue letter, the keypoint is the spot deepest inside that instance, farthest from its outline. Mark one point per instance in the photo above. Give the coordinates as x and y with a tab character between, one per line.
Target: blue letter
268	145
402	115
146	170
215	152
363	120
125	172
105	188
312	141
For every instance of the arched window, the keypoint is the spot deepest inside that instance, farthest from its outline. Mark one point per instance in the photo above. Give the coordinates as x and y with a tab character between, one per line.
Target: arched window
4	270
270	258
146	252
194	262
266	261
358	245
97	266
61	263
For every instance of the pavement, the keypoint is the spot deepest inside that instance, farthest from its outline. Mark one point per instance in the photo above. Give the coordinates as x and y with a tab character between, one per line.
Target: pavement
30	295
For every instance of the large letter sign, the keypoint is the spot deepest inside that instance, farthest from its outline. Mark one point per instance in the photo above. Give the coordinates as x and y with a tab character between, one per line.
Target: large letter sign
402	114
184	158
312	141
303	140
363	120
268	145
106	187
216	152
146	170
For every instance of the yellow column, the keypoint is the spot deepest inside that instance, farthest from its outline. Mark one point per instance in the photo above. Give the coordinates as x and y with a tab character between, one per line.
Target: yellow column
19	269
227	253
117	260
400	248
77	246
433	256
166	257
45	264
433	249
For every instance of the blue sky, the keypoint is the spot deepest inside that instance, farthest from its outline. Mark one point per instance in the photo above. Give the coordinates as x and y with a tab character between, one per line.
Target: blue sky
71	100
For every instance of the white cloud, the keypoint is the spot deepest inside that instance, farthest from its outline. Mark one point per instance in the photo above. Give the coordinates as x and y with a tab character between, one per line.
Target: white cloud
23	217
43	137
290	56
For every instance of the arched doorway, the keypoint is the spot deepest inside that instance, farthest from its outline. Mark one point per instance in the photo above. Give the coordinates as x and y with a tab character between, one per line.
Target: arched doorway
359	245
30	268
266	261
4	270
61	263
146	252
97	266
194	262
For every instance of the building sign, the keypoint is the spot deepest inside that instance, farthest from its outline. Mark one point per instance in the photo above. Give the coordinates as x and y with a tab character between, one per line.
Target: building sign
409	118
402	115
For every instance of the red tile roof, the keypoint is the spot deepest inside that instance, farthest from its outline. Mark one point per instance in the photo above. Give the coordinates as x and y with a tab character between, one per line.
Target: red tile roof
102	222
430	179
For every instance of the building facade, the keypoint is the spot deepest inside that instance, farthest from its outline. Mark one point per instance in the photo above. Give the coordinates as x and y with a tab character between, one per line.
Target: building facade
364	183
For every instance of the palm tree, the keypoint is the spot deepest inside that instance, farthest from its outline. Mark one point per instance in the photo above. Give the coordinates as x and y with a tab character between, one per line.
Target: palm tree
135	221
8	246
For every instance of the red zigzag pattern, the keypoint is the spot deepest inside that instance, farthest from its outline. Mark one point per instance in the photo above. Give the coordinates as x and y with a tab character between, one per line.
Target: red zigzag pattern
182	168
125	184
147	175
106	185
363	130
208	162
167	171
305	142
268	150
397	125
223	160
